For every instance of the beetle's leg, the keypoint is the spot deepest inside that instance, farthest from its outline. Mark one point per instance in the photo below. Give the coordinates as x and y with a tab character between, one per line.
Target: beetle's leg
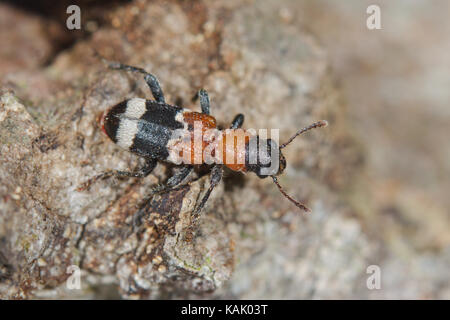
173	181
141	173
204	100
237	121
151	80
216	176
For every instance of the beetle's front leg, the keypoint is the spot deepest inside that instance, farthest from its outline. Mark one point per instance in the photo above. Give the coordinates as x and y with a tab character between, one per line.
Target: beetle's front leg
204	101
216	176
237	121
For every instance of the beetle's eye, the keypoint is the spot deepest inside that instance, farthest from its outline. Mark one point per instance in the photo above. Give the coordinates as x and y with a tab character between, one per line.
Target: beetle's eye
282	164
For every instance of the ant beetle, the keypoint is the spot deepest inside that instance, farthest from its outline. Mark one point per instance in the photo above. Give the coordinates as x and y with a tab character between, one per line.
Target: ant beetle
146	127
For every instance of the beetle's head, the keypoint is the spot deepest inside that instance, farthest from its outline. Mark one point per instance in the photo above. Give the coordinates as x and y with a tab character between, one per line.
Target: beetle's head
265	158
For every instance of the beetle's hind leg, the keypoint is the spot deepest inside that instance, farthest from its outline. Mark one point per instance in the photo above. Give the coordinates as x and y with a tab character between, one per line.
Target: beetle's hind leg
151	80
141	173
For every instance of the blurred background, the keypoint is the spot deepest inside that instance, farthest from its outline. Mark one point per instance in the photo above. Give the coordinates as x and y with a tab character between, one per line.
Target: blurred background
395	85
396	81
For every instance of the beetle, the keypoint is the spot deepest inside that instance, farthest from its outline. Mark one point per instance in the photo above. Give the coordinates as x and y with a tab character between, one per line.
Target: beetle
146	128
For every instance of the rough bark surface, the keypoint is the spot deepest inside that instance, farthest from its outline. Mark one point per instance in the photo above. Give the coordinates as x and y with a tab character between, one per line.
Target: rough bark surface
252	58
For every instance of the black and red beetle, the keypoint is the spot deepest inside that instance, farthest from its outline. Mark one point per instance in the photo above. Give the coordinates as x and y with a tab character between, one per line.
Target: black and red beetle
146	127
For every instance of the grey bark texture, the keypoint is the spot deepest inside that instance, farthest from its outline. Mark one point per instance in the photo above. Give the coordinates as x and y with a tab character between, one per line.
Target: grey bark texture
251	243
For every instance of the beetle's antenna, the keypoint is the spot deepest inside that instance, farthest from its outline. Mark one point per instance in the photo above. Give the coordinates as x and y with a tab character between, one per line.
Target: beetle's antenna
318	124
297	203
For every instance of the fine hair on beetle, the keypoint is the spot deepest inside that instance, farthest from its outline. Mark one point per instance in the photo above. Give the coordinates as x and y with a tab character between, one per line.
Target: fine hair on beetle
158	131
